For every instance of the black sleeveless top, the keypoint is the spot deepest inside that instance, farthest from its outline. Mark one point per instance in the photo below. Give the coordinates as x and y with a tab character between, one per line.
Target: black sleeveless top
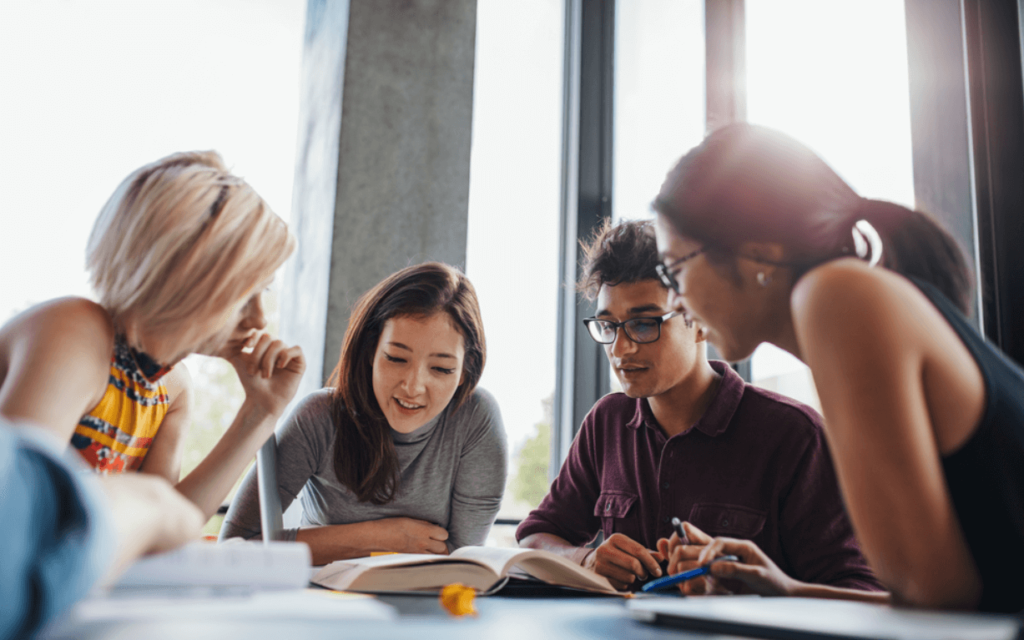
985	476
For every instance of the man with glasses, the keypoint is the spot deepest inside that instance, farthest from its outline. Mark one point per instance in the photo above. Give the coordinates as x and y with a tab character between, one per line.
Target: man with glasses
688	439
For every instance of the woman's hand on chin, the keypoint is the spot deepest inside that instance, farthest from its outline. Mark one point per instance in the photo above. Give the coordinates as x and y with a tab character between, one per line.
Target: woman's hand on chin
269	373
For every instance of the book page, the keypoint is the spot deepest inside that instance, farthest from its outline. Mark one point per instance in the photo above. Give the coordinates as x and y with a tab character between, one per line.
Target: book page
386	572
543	565
403	571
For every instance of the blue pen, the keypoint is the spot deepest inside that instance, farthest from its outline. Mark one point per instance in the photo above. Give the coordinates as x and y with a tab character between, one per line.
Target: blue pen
671	581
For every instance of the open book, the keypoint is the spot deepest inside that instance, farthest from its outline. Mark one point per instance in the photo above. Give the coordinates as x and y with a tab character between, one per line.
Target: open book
485	569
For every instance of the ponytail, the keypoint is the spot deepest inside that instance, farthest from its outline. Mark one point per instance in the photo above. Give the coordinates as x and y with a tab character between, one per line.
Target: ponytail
746	183
916	245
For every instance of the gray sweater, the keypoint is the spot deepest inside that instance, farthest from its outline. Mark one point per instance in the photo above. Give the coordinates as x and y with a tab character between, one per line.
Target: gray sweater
452	473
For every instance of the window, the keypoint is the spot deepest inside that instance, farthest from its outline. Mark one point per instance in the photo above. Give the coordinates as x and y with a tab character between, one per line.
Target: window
659	100
848	101
659	96
515	195
100	89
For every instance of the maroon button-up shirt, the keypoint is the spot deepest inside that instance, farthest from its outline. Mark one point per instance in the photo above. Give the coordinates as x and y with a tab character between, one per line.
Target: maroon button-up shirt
755	466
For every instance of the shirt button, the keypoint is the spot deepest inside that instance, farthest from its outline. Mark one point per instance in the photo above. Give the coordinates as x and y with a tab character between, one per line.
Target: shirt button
665	519
664	485
725	523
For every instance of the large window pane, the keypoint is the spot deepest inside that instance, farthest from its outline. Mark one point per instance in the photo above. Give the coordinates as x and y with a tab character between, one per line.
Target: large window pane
659	96
834	76
659	100
512	253
92	90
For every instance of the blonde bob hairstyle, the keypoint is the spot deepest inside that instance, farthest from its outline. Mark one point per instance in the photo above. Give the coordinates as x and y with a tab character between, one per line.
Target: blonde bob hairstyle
180	244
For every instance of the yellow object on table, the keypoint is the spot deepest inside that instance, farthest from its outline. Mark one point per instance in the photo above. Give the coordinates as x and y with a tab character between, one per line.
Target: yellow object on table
457	599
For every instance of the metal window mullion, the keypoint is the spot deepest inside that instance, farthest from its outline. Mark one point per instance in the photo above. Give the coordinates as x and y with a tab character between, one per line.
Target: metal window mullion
725	84
996	92
583	376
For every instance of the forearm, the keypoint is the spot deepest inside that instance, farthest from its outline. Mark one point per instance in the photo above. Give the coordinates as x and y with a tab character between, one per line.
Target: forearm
210	482
342	541
556	544
808	590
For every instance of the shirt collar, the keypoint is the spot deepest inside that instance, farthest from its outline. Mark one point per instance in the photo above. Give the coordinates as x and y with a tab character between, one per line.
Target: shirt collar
719	413
421	433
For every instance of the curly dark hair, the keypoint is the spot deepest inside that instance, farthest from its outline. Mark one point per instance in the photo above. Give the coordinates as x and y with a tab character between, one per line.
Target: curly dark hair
618	253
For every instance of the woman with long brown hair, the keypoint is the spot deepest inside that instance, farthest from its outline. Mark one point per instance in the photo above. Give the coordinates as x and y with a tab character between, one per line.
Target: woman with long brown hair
403	452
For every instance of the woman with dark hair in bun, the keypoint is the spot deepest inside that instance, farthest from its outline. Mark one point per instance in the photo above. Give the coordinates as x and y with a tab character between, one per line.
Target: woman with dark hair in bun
763	242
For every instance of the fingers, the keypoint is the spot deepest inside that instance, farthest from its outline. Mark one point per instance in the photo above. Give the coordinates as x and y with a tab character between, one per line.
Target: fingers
260	347
618	585
639	553
684	558
666	545
623	560
437	533
292	359
696	536
268	355
739	571
747	551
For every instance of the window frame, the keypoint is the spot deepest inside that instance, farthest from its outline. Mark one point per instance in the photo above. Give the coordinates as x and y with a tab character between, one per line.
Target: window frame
965	52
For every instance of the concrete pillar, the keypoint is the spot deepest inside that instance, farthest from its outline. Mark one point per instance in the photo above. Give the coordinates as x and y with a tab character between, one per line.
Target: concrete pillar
382	175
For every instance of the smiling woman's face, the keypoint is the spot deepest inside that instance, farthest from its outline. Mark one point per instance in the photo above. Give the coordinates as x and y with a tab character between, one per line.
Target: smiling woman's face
727	307
416	369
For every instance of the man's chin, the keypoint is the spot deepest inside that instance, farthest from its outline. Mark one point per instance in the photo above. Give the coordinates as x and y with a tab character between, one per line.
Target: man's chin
635	391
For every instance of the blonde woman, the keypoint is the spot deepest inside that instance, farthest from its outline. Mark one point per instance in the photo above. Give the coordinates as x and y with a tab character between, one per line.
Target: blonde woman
179	258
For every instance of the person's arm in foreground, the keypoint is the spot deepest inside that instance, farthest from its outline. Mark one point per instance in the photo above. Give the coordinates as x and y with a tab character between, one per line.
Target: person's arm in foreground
269	374
63	529
865	345
301	443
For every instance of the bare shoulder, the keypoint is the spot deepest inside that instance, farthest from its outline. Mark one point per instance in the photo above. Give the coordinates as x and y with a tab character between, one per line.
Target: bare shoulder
60	318
64	345
848	297
74	328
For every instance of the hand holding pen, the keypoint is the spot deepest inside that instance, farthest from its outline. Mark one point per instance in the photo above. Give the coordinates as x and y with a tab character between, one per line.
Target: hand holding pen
681	552
752	571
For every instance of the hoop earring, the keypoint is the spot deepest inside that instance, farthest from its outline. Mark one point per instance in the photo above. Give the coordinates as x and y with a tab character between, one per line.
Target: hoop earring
763	279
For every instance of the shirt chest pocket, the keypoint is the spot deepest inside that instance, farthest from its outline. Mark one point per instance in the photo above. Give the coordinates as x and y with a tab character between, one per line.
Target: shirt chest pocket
728	520
617	512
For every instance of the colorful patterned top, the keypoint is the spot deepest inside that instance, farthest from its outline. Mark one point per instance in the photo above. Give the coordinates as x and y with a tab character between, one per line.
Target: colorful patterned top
116	435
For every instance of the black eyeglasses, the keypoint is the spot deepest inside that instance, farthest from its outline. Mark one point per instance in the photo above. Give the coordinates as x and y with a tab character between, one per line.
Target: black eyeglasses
665	270
639	330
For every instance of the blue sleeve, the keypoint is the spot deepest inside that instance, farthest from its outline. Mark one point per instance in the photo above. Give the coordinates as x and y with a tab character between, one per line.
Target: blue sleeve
56	537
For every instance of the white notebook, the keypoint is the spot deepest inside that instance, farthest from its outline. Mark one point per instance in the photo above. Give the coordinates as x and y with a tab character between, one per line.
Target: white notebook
808	619
251	565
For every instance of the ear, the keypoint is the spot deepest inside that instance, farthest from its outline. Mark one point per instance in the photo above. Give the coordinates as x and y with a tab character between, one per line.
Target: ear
759	262
701	335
